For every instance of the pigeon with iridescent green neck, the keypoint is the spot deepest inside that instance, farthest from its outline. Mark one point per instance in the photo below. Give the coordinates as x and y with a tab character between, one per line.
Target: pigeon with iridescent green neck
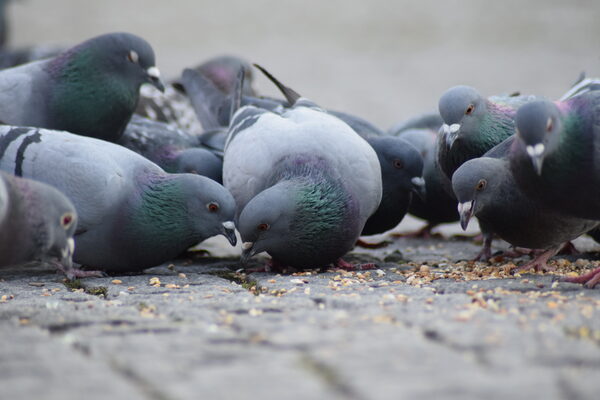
91	89
473	125
305	183
556	156
132	215
37	223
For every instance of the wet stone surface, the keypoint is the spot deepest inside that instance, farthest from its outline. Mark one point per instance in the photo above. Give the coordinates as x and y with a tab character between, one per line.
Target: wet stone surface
422	325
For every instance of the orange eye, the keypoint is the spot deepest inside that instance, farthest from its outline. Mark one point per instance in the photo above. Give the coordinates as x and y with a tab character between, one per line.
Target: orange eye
212	207
133	56
470	109
263	227
481	185
66	220
398	164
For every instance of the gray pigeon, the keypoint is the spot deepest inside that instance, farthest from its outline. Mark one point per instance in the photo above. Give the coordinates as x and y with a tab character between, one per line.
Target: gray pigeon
172	149
91	89
304	182
438	206
473	124
37	222
556	156
401	164
485	188
132	215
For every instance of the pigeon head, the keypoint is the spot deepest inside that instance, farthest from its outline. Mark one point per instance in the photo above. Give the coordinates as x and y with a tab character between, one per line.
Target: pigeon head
462	109
538	128
302	223
210	206
95	85
473	184
196	161
401	165
266	220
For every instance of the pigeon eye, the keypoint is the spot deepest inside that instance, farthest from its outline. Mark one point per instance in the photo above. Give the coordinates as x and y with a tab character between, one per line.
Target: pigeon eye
133	56
212	207
398	164
470	109
263	227
481	185
66	220
549	125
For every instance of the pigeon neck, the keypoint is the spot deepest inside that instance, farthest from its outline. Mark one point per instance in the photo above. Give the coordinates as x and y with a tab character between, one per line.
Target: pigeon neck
497	125
160	214
88	97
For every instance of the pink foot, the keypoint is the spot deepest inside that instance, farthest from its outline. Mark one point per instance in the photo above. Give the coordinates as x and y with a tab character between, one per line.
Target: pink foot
271	266
590	279
341	264
486	252
423	233
540	262
74	273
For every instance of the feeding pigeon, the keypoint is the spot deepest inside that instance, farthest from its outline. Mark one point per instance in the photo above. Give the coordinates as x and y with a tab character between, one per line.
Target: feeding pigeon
438	206
37	222
304	182
485	188
91	89
132	215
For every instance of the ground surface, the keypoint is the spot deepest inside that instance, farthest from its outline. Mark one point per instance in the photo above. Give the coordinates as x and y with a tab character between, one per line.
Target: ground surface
421	326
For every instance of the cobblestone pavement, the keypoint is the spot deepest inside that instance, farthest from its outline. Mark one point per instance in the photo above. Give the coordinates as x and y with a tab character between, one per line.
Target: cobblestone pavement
422	325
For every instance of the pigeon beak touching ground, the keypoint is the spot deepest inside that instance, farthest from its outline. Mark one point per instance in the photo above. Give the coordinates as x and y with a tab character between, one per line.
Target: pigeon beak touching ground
248	251
536	154
154	78
418	187
465	210
229	232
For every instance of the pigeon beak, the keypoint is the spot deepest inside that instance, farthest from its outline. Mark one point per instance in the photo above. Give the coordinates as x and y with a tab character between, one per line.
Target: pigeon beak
418	187
229	232
465	210
67	254
247	252
451	132
154	78
536	154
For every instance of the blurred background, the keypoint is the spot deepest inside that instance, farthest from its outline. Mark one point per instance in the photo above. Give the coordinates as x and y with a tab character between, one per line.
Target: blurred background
383	60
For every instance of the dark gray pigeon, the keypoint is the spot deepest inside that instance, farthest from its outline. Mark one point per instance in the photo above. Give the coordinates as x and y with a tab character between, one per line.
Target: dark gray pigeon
473	124
173	149
37	223
91	89
132	215
556	156
438	206
304	182
485	188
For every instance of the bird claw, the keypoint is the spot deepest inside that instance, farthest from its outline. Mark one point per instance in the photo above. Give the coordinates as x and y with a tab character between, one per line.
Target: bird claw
539	263
590	280
367	245
346	266
75	273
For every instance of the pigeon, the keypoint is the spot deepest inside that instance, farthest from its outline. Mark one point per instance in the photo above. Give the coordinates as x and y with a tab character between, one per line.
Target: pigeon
304	182
485	188
438	206
173	105
37	223
473	125
556	156
132	215
91	89
170	148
